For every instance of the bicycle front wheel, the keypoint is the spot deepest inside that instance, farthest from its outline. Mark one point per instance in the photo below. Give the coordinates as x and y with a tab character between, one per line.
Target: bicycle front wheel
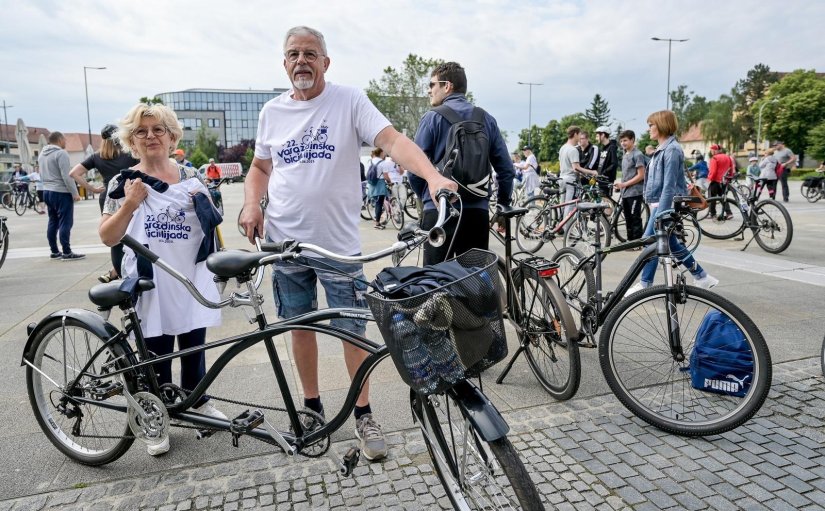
7	200
620	222
533	225
396	213
774	228
582	233
578	286
410	205
635	355
476	474
20	204
720	224
87	433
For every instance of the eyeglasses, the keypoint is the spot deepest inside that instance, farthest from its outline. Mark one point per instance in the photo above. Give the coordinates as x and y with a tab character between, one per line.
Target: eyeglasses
292	56
158	131
433	84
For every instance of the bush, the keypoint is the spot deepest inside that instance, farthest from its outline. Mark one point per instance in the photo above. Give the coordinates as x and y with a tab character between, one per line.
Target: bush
548	167
198	158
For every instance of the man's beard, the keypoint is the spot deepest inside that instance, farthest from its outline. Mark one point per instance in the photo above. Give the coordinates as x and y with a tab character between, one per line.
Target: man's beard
304	83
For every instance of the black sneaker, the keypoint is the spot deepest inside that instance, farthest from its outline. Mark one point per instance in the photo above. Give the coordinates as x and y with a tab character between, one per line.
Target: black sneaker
74	256
56	256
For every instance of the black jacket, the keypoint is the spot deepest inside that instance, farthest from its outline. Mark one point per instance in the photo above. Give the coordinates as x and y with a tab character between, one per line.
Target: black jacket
610	160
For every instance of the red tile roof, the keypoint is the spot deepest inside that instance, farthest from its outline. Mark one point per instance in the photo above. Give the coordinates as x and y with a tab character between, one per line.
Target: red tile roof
77	142
7	132
693	134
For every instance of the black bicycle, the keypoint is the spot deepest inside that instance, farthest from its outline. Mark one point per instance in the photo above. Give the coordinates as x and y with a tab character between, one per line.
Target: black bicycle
4	240
656	345
536	308
93	394
769	221
23	198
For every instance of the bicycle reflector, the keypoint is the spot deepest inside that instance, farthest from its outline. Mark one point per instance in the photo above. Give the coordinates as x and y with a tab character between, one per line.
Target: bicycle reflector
549	272
542	266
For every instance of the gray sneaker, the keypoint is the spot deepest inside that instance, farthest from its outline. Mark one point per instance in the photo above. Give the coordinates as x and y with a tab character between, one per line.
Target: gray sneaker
373	443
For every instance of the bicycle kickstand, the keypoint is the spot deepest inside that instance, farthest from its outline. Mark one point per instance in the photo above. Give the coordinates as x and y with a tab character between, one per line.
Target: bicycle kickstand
753	237
510	364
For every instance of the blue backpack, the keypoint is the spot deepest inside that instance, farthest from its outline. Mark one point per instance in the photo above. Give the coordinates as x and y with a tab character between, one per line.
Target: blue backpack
372	174
721	361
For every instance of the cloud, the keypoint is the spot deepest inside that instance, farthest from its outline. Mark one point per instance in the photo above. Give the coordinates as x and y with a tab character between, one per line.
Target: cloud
576	49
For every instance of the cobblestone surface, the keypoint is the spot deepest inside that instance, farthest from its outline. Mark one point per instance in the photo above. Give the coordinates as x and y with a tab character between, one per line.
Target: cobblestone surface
582	454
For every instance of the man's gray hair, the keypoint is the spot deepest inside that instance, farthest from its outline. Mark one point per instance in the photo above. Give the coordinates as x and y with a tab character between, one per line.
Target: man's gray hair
306	30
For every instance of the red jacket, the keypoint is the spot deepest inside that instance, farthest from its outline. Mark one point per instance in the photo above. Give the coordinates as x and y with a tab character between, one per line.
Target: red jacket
719	165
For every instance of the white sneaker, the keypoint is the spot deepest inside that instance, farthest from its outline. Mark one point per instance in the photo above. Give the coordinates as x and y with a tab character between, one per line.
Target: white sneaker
209	410
706	282
635	288
159	448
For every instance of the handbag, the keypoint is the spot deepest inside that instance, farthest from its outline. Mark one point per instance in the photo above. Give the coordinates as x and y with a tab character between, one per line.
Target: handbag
694	191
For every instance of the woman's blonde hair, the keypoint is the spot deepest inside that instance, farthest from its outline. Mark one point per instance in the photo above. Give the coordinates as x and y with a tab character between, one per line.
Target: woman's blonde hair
162	113
665	122
109	149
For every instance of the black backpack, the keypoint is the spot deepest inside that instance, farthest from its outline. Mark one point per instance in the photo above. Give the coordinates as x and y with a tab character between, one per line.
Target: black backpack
466	157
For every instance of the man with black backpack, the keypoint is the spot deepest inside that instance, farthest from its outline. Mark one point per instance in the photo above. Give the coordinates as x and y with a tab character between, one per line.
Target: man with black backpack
464	142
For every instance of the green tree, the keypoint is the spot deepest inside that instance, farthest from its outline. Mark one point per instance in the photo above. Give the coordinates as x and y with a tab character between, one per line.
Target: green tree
206	142
689	108
643	140
720	124
247	158
599	112
401	94
748	91
151	101
198	157
801	108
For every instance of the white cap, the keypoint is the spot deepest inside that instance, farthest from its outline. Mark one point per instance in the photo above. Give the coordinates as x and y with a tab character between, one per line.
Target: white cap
603	129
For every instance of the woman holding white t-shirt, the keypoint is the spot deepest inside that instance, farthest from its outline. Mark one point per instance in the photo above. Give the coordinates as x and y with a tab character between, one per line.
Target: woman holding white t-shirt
155	202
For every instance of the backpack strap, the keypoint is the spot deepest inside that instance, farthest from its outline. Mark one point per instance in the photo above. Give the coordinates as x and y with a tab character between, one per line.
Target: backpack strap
448	113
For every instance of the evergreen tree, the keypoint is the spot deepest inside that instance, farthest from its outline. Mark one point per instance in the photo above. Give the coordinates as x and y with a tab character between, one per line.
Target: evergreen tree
599	112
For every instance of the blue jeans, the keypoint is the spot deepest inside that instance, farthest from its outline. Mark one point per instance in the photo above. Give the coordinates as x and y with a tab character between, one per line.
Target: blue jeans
296	292
61	219
192	367
677	249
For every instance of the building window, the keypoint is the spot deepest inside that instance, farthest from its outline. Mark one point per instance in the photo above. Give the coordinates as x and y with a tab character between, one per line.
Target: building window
214	123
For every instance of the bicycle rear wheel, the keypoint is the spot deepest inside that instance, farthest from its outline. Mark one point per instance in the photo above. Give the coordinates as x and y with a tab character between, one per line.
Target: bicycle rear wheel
635	355
577	287
410	205
37	206
582	233
20	203
87	433
533	225
813	193
476	474
548	330
4	243
620	223
366	212
722	226
774	229
7	200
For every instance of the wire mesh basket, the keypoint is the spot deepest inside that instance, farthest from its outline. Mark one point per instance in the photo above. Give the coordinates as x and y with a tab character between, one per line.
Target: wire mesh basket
449	333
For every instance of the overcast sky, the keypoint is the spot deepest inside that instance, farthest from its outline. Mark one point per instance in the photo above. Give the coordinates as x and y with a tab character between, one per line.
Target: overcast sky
575	48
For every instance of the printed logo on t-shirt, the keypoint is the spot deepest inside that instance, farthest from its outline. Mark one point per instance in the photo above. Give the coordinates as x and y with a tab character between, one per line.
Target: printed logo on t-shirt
168	225
312	146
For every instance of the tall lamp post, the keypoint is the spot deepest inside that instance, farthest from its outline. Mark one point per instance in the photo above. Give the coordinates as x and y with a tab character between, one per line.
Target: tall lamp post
6	123
669	44
759	124
86	85
530	111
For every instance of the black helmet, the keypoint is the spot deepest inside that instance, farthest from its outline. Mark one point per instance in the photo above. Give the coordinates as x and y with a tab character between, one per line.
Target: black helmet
699	157
108	131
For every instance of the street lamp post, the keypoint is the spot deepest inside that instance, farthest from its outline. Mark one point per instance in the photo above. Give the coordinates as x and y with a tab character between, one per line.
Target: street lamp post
759	124
530	111
669	44
86	85
6	123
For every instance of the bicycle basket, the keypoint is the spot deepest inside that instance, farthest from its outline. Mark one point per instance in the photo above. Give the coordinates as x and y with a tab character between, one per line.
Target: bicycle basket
448	333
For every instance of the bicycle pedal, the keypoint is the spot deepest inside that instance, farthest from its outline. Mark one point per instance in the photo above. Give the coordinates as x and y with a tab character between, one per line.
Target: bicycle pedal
586	344
349	461
202	434
106	390
245	422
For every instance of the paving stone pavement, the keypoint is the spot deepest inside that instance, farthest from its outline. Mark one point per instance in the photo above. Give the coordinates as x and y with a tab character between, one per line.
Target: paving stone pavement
582	454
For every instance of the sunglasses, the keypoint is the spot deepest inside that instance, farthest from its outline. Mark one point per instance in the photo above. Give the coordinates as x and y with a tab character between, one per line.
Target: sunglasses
433	84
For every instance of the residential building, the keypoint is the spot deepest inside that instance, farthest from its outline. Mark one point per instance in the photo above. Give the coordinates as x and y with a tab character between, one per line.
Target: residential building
229	114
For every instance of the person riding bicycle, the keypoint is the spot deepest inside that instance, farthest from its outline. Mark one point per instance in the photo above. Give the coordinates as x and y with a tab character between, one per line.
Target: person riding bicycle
298	182
213	172
664	180
17	178
701	172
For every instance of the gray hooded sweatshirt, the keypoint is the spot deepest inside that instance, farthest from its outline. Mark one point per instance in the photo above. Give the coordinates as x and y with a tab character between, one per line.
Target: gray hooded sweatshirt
54	170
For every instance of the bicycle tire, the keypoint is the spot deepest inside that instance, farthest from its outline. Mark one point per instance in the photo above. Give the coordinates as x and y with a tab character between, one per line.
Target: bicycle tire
20	204
37	206
812	194
7	200
822	357
366	212
549	332
48	353
582	232
803	189
577	290
619	226
477	483
532	226
4	243
769	226
657	389
410	205
396	213
719	228
238	223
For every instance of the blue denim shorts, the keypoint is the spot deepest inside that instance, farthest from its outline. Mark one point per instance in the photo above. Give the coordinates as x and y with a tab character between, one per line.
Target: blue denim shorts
296	292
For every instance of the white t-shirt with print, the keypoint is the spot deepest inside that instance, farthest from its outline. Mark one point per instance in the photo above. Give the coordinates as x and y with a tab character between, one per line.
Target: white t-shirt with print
168	224
315	187
391	168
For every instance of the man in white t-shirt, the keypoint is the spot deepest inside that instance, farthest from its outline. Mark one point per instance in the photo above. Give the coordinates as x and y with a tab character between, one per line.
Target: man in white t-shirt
569	167
306	154
395	175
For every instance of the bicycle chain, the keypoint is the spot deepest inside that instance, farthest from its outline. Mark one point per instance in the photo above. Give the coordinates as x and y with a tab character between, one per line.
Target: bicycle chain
219	430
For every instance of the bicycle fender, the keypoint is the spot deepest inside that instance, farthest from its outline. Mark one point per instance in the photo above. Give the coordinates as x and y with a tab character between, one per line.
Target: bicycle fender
92	321
478	409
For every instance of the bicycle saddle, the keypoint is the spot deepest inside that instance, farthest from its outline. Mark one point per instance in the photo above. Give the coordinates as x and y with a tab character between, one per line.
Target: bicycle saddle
108	295
509	211
592	206
231	263
550	191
